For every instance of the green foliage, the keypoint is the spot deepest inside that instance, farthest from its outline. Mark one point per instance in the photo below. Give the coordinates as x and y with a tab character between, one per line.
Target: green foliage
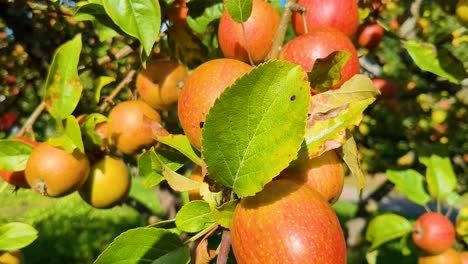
194	217
243	139
150	167
71	138
16	235
410	183
239	10
14	154
387	227
326	72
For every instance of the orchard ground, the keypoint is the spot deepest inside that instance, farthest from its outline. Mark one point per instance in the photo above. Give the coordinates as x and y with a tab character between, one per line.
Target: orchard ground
71	231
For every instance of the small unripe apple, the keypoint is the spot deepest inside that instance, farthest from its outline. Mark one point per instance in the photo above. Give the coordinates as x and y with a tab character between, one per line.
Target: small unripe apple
433	233
286	222
324	173
449	256
54	172
11	257
340	14
200	91
370	35
260	29
130	126
196	175
108	183
387	87
304	50
461	12
18	178
160	83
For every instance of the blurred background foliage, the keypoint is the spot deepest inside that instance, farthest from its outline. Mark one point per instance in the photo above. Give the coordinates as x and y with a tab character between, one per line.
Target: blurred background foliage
428	115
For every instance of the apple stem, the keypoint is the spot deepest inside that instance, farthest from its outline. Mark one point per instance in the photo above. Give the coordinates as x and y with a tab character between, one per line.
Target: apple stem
449	212
247	45
302	9
224	247
427	208
41	187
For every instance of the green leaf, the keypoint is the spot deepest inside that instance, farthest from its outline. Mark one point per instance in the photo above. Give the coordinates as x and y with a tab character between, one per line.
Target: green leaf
149	165
350	155
440	176
186	47
99	83
182	144
440	62
16	235
14	154
138	18
180	255
103	25
358	88
326	72
387	227
202	13
71	138
178	182
88	129
239	10
328	131
410	183
194	217
452	198
144	245
63	85
244	139
224	213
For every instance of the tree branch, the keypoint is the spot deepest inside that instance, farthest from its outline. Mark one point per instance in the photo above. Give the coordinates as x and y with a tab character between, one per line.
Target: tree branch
128	78
281	32
224	248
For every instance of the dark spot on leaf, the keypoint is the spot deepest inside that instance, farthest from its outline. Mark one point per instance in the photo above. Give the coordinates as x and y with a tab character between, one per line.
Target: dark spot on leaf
293	98
201	124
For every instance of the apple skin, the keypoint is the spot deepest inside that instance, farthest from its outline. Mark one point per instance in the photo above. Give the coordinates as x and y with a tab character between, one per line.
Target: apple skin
304	50
461	12
54	172
449	256
200	91
160	83
340	14
388	88
196	175
18	178
433	233
370	35
260	29
130	124
287	222
108	183
324	173
464	257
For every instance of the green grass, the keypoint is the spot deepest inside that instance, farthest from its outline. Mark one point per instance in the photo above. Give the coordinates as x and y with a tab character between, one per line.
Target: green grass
71	231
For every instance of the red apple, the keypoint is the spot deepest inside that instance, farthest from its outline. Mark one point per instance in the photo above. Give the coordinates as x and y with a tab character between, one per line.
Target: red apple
388	88
340	14
17	178
260	29
450	256
286	222
177	12
433	233
370	35
200	91
324	173
304	50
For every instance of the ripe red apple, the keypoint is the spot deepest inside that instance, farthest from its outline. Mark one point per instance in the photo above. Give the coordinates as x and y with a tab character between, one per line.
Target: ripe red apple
17	178
340	14
433	233
260	29
324	173
160	83
54	172
287	222
370	35
130	126
200	91
387	87
304	50
450	256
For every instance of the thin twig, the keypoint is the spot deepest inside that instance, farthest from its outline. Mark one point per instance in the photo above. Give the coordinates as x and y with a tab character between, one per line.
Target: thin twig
224	248
32	118
128	78
123	52
281	32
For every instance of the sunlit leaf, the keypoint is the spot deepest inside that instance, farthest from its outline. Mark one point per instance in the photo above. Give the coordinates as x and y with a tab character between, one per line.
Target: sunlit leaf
14	154
326	72
224	213
99	83
244	142
16	235
63	85
410	183
440	176
182	144
239	10
194	217
71	138
350	155
150	167
387	227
